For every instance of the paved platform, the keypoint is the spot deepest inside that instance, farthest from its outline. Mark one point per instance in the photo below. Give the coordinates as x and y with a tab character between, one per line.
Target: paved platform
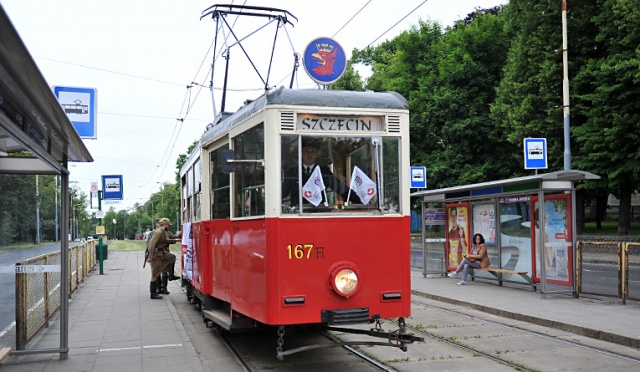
114	326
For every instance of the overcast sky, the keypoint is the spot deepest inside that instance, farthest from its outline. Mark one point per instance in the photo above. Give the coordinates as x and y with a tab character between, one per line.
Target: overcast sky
141	55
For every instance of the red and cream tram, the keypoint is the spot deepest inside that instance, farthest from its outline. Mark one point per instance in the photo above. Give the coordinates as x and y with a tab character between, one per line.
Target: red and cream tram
272	243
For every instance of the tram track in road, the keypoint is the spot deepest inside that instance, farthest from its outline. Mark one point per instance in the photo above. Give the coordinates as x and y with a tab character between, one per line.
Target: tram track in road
547	339
321	351
359	354
244	363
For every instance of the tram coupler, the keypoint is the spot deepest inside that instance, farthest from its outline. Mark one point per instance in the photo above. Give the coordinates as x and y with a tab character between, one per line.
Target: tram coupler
398	338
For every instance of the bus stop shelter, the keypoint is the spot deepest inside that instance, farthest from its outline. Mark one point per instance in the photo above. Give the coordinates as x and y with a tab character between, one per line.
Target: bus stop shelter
512	215
36	138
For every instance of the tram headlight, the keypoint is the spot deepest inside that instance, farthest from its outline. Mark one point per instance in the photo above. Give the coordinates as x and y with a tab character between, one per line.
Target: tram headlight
344	279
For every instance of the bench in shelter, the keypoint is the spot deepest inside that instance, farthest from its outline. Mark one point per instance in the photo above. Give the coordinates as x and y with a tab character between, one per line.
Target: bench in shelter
498	274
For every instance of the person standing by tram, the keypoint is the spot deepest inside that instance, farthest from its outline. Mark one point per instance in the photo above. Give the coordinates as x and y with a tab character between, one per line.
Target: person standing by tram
149	235
160	257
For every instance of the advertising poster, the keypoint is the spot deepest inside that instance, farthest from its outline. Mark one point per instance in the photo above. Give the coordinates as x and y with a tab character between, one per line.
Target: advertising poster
457	233
434	216
558	255
484	222
187	252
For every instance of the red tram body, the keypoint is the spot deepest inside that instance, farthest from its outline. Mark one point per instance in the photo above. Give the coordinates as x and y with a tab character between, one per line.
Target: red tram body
254	257
252	266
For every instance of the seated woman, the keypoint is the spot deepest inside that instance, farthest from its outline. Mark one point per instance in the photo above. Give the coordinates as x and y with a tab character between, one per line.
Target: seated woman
477	259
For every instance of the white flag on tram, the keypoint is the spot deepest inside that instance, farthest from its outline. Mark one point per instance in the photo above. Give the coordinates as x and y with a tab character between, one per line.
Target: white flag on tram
312	190
363	186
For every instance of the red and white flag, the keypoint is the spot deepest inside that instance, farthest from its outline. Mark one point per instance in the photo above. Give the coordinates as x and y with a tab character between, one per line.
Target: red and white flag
312	189
363	186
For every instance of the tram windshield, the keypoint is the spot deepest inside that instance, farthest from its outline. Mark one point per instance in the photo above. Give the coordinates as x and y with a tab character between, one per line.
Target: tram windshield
340	174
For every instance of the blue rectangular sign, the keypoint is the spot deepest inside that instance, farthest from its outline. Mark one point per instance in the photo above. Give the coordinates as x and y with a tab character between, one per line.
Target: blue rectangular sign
418	177
535	153
80	106
112	188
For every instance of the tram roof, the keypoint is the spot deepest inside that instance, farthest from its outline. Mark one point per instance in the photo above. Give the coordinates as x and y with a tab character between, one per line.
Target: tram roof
546	181
305	97
32	121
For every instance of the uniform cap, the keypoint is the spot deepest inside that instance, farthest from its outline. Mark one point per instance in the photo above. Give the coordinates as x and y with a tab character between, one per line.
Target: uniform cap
164	221
310	142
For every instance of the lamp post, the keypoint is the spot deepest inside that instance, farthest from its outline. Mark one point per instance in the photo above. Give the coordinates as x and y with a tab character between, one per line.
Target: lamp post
114	229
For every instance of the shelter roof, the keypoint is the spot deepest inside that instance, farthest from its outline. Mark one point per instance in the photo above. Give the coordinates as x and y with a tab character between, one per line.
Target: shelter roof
35	134
546	181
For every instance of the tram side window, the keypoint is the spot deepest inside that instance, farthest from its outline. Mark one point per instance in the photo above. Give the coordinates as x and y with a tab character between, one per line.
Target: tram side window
197	209
190	193
249	189
391	166
220	201
185	211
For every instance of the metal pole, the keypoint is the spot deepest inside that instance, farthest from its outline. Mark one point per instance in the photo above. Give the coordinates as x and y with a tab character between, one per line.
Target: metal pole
100	243
64	266
56	204
540	245
565	89
38	236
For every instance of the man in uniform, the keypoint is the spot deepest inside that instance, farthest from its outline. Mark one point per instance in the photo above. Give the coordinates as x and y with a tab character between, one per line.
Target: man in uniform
160	257
168	273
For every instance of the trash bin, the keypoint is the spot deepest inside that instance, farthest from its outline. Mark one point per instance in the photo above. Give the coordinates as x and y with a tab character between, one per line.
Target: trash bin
102	246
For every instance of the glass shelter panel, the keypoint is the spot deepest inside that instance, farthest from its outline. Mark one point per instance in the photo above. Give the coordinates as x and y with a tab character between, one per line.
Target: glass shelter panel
515	237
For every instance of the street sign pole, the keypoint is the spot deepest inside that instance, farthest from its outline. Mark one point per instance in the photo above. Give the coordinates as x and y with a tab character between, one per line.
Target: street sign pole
100	244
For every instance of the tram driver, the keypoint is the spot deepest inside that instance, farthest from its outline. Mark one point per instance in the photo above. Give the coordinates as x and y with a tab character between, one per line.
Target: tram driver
290	185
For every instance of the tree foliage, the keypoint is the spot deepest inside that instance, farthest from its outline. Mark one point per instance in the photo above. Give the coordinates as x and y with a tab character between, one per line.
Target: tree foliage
611	105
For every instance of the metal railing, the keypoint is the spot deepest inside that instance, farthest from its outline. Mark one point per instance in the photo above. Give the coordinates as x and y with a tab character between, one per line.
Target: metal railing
38	293
608	268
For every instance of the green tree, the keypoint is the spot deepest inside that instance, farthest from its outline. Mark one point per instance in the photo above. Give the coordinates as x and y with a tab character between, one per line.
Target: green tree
529	97
396	64
350	80
451	131
610	134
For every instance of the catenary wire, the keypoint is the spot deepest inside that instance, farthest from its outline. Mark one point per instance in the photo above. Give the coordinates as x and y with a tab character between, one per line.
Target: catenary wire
401	19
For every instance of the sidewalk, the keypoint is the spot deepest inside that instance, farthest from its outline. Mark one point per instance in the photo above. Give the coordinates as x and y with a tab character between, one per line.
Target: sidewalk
114	326
596	317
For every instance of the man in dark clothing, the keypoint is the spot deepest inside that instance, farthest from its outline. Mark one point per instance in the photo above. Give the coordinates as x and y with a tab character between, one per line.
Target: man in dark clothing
161	259
290	185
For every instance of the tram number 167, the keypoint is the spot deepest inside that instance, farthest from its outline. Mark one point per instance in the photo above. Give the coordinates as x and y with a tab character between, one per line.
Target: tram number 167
304	251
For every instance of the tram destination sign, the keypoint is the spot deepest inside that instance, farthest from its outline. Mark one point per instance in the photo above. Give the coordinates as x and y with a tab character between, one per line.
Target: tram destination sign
340	123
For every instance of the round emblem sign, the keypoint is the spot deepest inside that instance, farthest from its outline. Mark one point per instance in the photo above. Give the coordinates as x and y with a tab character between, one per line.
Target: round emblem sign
324	60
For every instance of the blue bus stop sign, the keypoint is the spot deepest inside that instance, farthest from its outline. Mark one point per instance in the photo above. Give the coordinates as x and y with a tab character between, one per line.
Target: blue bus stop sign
80	106
112	188
535	153
418	177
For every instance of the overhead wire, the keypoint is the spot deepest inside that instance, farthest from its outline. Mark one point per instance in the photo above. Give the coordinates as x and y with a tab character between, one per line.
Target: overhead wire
111	71
180	121
401	19
189	103
351	19
358	13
